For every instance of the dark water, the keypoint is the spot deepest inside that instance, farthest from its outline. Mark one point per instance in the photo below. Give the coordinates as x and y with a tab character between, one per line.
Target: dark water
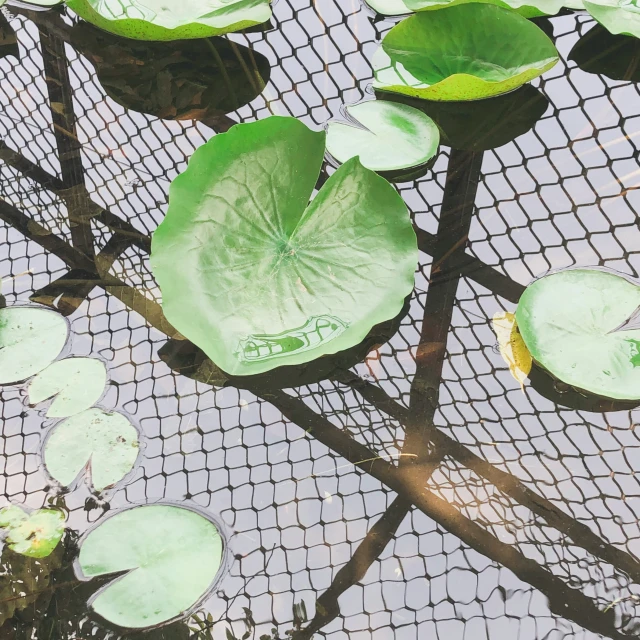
408	490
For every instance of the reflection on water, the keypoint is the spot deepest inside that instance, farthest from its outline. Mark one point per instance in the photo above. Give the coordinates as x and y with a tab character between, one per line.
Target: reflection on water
408	488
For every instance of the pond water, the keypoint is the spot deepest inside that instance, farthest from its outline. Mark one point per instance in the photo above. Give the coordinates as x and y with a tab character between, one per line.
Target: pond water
411	489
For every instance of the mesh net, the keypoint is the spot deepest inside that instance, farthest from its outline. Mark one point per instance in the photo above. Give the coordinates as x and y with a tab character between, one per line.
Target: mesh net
523	518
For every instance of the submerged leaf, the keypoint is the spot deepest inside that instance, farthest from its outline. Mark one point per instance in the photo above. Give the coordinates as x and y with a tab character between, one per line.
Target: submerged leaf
35	535
162	20
171	555
76	383
108	441
575	324
512	347
457	53
31	338
258	279
385	136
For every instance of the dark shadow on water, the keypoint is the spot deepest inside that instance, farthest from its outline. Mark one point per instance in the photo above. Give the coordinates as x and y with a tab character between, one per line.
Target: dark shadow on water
480	125
187	79
188	360
615	56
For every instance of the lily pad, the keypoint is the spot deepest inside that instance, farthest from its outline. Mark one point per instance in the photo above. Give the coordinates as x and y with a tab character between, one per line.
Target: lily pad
526	8
255	277
34	535
617	16
172	556
483	124
76	383
512	347
458	53
388	7
575	324
385	136
30	339
189	79
603	53
106	443
162	20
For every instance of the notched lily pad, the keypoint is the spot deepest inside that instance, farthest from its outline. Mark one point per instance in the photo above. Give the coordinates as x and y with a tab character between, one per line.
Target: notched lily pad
75	384
171	556
106	444
617	16
265	280
35	535
31	338
385	136
581	325
179	20
603	53
458	53
190	79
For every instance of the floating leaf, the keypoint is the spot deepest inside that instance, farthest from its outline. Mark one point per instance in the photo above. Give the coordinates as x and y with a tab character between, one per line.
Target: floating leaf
189	79
575	325
389	7
30	339
107	442
47	4
614	56
35	535
385	136
617	16
512	347
76	383
171	555
162	20
258	281
458	53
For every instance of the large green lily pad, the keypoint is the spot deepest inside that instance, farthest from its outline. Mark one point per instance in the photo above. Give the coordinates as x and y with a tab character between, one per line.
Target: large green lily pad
34	535
258	279
171	555
75	384
31	338
573	324
189	79
106	442
178	20
458	53
617	16
385	136
526	8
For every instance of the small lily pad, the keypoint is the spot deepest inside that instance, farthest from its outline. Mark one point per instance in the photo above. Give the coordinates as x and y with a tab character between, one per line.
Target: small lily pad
512	347
76	383
172	556
31	338
385	136
106	443
617	16
458	53
179	20
576	324
34	535
389	7
255	277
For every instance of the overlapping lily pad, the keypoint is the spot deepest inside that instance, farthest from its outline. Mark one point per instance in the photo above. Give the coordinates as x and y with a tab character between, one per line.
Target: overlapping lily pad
258	279
105	443
171	556
34	535
31	338
526	8
75	384
385	136
190	79
459	53
162	20
579	325
389	7
617	16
